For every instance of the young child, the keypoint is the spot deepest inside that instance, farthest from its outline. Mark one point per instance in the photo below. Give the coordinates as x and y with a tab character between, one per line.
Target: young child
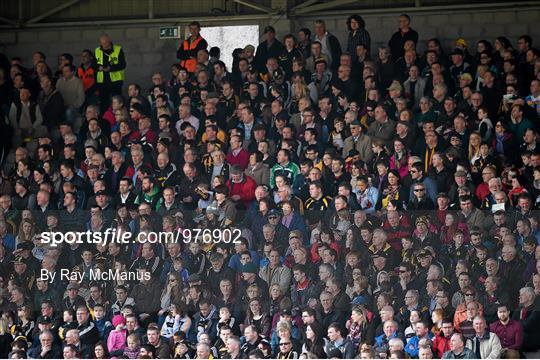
485	127
458	250
178	266
226	318
133	347
70	322
117	337
338	134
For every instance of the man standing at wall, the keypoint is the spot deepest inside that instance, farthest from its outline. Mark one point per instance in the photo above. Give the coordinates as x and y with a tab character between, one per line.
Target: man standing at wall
111	63
187	52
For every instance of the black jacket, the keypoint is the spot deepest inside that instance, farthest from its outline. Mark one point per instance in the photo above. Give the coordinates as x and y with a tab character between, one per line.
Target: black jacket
264	52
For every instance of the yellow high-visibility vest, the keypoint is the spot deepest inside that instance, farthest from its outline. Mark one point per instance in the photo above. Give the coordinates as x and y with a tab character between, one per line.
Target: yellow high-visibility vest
113	60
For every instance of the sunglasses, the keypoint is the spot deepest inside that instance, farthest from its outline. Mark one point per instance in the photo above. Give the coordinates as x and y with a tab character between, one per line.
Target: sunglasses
282	344
419	190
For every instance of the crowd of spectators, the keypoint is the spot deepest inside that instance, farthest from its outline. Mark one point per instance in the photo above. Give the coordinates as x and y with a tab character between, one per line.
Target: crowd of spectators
334	200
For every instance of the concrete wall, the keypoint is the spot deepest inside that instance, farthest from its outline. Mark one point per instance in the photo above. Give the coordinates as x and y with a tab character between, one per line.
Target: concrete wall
146	53
447	27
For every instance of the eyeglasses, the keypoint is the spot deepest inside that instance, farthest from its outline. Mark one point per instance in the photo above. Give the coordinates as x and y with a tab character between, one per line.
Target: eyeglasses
419	190
469	294
283	344
272	217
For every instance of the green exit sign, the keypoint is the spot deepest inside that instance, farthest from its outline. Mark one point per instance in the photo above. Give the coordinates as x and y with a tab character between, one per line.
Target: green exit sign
169	32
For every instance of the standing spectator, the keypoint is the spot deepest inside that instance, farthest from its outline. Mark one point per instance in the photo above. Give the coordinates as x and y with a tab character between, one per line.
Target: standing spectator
187	52
269	48
358	35
51	104
330	45
26	120
72	91
398	39
111	63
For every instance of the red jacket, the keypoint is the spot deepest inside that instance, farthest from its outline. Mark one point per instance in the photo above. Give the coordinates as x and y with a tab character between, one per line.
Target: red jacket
441	345
245	189
396	234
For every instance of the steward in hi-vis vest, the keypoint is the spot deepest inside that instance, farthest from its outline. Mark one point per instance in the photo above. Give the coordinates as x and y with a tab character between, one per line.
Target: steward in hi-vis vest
110	63
187	52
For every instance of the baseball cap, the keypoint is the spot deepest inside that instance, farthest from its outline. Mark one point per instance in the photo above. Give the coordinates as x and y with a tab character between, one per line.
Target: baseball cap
423	253
355	122
249	268
285	312
274	212
73	286
19	260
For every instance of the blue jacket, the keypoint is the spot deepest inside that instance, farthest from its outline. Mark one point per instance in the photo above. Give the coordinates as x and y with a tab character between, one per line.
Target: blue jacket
412	345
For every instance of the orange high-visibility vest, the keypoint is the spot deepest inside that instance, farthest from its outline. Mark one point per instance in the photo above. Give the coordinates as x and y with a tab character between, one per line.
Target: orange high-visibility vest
190	64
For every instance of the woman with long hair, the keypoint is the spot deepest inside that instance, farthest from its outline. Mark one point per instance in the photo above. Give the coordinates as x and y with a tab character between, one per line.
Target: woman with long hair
26	232
276	297
101	351
260	218
315	340
173	292
400	158
437	317
299	90
176	320
380	154
5	338
326	237
25	323
393	191
359	326
452	223
517	183
257	317
475	140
